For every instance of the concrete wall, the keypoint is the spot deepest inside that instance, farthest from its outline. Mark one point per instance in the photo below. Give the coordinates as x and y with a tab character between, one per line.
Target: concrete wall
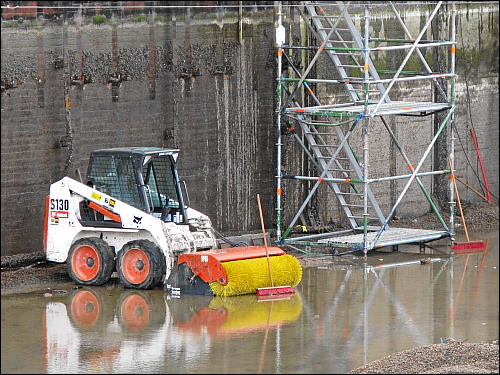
201	80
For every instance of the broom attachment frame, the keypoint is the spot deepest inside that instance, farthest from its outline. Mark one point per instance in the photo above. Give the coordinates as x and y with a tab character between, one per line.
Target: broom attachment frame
207	264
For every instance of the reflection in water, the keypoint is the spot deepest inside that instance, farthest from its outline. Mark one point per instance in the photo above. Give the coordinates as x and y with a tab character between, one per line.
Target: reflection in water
362	311
90	331
348	311
97	331
242	314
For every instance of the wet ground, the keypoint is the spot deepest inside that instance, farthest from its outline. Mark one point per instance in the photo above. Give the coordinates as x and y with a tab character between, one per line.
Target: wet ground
347	312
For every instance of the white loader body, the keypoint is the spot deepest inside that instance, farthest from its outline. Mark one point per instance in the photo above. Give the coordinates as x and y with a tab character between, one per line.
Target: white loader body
64	224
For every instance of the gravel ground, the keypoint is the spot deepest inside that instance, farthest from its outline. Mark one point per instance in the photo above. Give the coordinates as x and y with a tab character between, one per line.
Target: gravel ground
34	276
477	217
452	357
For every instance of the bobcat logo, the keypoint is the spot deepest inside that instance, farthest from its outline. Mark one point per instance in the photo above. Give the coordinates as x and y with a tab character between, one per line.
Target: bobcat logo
137	219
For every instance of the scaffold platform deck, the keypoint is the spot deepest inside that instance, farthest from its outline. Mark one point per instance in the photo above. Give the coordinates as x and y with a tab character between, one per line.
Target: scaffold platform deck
392	108
391	236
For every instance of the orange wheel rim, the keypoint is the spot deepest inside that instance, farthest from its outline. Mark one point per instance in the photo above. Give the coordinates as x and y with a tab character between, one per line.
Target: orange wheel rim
85	262
85	308
135	312
135	266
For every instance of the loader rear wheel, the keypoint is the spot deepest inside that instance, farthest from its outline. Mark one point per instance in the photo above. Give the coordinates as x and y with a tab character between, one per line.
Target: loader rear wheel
141	264
91	261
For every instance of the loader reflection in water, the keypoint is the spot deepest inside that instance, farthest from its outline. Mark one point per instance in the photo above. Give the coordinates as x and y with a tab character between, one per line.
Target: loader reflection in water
242	314
96	330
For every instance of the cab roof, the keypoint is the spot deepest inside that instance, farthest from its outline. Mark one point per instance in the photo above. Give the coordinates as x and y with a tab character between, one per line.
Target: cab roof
137	150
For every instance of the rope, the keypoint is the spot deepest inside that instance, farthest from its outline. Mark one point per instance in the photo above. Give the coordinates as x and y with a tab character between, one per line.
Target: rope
467	96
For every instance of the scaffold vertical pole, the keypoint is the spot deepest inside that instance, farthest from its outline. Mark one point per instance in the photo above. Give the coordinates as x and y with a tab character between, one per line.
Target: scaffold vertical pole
280	39
365	132
453	126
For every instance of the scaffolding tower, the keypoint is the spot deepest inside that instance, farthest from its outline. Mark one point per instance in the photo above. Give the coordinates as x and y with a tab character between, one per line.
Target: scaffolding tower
323	130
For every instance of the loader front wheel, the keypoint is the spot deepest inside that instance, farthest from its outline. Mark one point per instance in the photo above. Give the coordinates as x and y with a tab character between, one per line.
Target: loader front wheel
91	261
140	264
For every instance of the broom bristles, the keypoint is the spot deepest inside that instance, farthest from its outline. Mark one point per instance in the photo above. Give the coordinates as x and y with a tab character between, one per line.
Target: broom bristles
247	275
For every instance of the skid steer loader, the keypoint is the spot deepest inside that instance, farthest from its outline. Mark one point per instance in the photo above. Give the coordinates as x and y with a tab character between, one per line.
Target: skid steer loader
130	216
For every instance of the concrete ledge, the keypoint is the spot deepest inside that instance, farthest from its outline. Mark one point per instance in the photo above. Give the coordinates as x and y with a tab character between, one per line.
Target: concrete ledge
21	260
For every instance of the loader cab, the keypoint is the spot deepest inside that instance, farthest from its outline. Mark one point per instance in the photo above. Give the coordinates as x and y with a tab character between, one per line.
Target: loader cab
143	177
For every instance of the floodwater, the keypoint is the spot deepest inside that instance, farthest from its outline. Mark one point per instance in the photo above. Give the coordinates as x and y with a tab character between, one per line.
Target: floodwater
344	314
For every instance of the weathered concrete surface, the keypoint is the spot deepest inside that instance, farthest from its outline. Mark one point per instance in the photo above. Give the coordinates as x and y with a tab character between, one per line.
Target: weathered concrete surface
189	84
202	81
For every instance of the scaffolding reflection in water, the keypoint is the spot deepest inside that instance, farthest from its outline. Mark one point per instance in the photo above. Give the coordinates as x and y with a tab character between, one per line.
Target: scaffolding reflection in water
343	315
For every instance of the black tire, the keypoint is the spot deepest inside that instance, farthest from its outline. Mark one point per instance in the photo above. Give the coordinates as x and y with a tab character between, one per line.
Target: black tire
91	261
140	264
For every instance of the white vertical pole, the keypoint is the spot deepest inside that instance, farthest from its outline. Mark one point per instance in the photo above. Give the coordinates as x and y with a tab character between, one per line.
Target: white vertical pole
280	40
365	132
453	127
